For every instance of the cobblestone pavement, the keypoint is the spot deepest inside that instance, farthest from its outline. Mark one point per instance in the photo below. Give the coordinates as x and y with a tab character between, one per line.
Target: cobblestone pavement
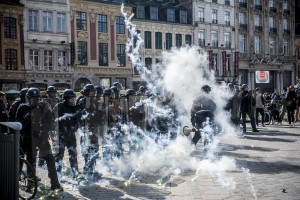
271	156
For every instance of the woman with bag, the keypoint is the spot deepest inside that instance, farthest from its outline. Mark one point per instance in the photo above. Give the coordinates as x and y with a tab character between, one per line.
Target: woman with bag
291	105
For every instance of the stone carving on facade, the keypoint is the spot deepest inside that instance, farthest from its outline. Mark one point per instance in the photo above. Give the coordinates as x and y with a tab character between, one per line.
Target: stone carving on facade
82	36
148	53
158	53
112	17
103	37
72	14
93	16
121	39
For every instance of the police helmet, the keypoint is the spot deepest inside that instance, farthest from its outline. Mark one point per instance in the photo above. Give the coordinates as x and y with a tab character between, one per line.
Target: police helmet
142	89
68	93
129	92
118	85
206	88
107	92
114	90
51	89
33	93
23	92
244	87
99	89
88	88
230	86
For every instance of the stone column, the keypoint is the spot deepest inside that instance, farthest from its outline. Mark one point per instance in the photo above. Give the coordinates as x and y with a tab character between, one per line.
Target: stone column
293	77
278	85
249	78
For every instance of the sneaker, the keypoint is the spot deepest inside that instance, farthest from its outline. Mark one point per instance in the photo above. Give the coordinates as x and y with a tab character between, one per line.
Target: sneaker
293	125
57	190
290	125
255	130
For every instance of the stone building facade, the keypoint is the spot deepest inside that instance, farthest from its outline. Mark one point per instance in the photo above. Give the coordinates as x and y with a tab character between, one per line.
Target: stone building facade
265	37
12	74
215	32
46	44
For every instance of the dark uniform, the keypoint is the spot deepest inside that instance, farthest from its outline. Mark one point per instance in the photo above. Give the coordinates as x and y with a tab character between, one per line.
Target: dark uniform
3	112
36	120
68	119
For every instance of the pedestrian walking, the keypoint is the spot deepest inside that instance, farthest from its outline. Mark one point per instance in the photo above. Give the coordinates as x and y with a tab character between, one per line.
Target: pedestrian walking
260	103
291	105
248	108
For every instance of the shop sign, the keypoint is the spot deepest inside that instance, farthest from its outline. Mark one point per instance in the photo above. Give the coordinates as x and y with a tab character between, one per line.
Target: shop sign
262	76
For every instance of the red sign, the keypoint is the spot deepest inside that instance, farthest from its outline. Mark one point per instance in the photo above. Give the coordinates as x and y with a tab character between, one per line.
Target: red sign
236	63
210	59
224	62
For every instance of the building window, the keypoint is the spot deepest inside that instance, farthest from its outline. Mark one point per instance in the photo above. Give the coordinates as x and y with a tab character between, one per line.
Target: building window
102	23
227	40
272	22
214	38
188	40
272	46
228	62
201	14
148	63
158	40
201	37
82	53
10	29
271	4
285	5
257	20
227	18
140	12
61	58
257	45
242	18
33	20
285	24
168	41
48	60
183	17
153	13
286	47
215	61
170	15
242	43
121	55
148	40
120	25
178	40
81	21
61	22
11	59
103	54
34	59
47	21
214	16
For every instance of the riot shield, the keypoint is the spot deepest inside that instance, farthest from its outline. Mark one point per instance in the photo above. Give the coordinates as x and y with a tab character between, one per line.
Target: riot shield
137	110
54	129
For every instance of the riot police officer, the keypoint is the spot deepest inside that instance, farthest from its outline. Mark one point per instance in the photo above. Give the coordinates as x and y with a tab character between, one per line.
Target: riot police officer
68	119
34	117
13	108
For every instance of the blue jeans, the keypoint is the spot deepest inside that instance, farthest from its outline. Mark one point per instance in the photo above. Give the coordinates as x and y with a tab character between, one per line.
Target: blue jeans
262	113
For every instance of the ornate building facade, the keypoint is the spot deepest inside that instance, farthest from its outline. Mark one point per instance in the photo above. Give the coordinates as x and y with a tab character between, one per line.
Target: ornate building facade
12	73
46	44
215	32
265	34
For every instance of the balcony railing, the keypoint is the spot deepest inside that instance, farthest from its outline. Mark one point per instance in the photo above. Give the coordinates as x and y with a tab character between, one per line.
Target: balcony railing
227	44
201	42
227	23
258	29
273	30
243	5
201	19
258	7
214	21
227	2
214	43
243	26
272	9
286	12
286	31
